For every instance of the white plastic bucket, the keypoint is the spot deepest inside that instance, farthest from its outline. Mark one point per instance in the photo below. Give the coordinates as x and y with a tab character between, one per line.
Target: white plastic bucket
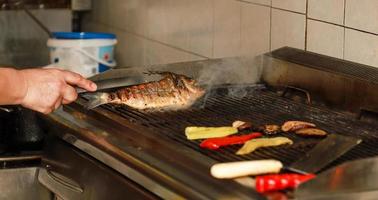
85	53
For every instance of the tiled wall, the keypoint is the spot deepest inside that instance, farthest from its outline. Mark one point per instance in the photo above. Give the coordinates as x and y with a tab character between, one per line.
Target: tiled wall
164	31
23	42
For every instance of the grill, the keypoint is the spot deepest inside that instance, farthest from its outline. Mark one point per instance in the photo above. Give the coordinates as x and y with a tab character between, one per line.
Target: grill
151	148
260	106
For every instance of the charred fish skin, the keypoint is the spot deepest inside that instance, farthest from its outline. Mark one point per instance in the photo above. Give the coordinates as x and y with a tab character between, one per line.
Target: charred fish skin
173	91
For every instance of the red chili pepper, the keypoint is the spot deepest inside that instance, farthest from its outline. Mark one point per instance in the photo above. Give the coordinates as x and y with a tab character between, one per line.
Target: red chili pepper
277	182
216	143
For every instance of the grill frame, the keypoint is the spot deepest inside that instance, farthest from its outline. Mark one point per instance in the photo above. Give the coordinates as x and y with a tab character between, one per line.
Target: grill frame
273	72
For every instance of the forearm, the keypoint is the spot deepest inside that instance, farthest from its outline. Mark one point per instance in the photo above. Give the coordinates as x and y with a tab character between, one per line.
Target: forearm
12	86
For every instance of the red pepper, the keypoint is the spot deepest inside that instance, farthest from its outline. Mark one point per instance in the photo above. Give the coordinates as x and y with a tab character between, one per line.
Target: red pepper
277	182
216	143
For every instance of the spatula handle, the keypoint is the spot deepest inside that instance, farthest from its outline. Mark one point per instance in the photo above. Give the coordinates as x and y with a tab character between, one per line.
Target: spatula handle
245	168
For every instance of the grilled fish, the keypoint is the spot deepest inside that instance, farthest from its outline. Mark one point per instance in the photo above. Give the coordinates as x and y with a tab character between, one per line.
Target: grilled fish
173	91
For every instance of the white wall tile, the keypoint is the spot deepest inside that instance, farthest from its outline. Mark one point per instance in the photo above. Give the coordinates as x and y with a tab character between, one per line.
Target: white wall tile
100	11
325	38
362	14
129	15
200	26
156	53
327	10
174	22
361	47
227	28
288	29
157	20
255	29
293	5
263	2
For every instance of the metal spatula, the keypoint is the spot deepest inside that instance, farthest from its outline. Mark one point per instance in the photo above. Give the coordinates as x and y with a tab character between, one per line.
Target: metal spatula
113	83
326	151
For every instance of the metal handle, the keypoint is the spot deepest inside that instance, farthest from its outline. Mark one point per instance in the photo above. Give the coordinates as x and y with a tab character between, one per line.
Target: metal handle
6	109
60	185
367	113
292	88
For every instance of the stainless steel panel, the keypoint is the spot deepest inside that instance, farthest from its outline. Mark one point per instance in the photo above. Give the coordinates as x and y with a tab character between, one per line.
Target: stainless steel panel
59	186
22	184
71	174
351	180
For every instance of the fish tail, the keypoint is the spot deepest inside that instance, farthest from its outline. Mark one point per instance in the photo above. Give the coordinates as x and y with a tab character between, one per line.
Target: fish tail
96	99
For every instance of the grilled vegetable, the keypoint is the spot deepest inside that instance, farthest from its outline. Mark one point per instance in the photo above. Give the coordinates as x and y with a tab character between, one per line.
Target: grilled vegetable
240	125
296	125
252	145
270	129
275	182
311	132
194	133
174	91
216	143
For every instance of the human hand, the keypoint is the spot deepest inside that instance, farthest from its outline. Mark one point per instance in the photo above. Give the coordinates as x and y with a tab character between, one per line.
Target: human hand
46	89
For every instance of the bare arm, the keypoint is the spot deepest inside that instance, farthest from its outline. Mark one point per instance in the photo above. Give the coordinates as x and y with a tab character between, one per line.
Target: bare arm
42	90
12	86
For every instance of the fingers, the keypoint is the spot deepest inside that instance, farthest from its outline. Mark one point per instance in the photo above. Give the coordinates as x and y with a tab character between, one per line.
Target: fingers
69	95
57	104
76	79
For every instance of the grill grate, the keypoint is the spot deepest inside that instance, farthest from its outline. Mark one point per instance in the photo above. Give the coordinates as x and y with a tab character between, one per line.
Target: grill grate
260	106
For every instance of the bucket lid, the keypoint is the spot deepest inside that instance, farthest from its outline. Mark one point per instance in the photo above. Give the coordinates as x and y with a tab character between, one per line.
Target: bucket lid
83	35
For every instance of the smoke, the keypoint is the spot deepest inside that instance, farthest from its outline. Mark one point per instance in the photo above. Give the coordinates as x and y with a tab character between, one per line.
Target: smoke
238	72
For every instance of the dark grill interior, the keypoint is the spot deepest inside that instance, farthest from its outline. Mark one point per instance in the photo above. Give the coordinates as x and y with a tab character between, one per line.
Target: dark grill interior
260	106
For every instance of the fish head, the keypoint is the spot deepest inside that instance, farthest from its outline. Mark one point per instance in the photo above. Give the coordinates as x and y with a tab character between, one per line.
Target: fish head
192	85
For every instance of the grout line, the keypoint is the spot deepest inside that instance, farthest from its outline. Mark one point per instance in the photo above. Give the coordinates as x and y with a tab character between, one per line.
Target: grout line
241	50
306	26
152	40
359	30
344	12
258	4
376	34
344	30
319	20
270	28
213	30
288	10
